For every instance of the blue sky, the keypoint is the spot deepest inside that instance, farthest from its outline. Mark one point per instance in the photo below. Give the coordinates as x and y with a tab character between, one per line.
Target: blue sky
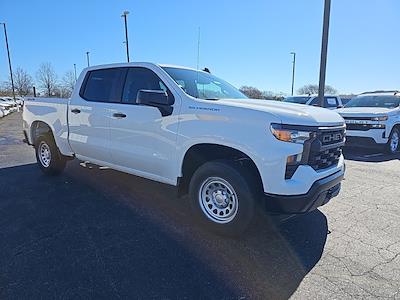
244	42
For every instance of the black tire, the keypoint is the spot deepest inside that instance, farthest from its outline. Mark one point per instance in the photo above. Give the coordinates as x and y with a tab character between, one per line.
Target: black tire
234	176
55	163
389	146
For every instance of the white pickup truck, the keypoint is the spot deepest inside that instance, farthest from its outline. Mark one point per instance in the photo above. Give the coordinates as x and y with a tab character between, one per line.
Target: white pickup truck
373	119
190	129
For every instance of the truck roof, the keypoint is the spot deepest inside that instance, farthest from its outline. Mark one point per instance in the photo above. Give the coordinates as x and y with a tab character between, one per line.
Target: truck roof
137	64
381	93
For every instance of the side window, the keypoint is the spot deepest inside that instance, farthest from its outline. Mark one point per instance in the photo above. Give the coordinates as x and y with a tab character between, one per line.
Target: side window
209	90
140	79
104	85
331	102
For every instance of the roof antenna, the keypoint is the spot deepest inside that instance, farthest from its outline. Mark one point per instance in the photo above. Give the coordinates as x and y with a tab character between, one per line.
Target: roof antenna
198	49
207	70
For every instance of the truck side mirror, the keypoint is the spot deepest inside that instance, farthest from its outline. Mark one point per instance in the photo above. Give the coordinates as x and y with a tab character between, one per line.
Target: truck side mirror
156	98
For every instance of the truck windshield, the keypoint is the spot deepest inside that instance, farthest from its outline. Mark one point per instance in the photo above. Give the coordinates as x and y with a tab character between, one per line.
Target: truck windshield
203	85
299	100
374	101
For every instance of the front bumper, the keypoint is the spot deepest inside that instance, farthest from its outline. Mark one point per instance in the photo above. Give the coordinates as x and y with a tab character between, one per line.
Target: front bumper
319	194
362	142
376	136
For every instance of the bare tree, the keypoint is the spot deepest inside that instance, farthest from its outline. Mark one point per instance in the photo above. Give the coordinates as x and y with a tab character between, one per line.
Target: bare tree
68	83
313	89
5	89
47	78
252	92
23	82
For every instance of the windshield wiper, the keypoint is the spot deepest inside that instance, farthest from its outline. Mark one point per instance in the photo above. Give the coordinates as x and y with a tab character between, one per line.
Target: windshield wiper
211	99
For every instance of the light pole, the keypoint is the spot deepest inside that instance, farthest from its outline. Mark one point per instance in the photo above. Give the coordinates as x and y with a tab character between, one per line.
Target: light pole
9	61
294	68
75	71
124	15
324	52
87	58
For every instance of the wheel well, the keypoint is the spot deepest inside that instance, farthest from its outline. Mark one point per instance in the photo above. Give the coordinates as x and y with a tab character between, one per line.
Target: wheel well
396	126
39	128
199	154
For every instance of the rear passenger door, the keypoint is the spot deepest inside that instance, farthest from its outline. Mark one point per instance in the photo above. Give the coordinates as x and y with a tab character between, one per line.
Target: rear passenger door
90	113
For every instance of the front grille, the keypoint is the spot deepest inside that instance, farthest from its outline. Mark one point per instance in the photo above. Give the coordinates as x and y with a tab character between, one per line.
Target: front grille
326	149
359	118
360	127
322	151
325	159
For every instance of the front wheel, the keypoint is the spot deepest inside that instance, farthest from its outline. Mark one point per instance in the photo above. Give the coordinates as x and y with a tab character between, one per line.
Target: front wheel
393	143
221	198
49	158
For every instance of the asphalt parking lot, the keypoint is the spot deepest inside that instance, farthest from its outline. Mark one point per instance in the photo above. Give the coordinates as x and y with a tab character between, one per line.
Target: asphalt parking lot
97	233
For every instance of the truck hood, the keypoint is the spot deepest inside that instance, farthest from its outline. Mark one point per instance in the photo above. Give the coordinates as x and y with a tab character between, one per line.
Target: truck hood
364	111
289	113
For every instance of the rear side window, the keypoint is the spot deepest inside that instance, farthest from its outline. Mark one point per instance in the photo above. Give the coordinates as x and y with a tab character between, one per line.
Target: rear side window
331	102
104	85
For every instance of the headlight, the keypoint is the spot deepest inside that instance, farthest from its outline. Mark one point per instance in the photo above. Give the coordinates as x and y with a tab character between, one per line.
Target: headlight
291	135
384	118
379	126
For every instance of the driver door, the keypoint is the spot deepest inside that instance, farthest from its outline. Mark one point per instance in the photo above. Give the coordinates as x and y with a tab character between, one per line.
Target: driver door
142	141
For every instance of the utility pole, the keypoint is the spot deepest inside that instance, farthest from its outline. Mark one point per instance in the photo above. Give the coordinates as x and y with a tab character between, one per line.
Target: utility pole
324	52
9	61
294	67
75	71
87	58
124	15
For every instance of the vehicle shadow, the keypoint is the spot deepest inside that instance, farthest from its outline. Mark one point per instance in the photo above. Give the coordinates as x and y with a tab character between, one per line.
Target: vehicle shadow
96	233
368	155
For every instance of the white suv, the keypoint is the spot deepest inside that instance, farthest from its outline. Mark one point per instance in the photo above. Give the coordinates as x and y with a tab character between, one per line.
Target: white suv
373	119
331	102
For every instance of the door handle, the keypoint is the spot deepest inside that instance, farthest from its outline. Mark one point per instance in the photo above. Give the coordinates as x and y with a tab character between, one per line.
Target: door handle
75	111
119	115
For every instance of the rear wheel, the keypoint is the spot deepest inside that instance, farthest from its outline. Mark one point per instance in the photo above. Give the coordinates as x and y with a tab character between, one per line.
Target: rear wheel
49	158
394	141
221	198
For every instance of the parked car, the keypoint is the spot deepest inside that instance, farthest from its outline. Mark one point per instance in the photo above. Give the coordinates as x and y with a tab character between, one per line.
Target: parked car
192	130
373	119
19	100
6	107
331	102
11	104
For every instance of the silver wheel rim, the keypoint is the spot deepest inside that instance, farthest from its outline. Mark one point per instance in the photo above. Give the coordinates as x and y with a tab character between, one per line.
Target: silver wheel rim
218	200
394	142
44	154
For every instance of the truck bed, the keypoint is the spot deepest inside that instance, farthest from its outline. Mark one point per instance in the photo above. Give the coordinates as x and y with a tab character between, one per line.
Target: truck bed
52	111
